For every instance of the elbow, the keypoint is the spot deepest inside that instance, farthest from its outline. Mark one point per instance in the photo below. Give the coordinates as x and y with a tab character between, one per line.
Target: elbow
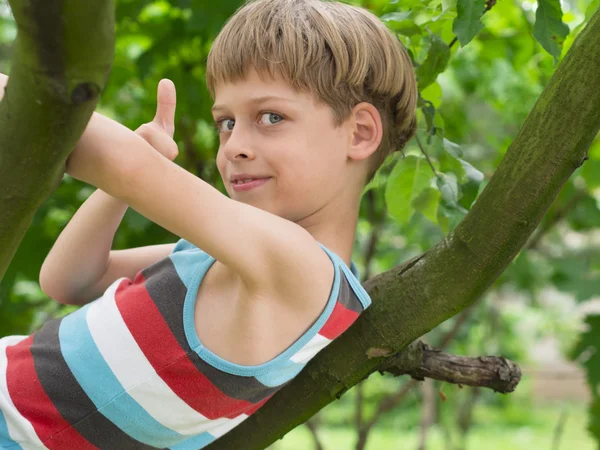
54	295
53	292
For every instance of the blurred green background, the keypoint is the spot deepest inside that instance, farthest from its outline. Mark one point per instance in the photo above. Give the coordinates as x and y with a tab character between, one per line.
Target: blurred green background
475	92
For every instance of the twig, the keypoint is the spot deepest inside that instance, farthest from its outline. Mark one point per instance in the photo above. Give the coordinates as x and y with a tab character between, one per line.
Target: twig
391	402
428	412
358	419
385	405
426	156
420	360
558	430
558	215
375	219
313	430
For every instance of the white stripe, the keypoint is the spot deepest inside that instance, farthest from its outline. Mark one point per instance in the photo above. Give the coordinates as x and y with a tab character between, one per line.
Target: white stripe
19	428
133	370
220	430
310	349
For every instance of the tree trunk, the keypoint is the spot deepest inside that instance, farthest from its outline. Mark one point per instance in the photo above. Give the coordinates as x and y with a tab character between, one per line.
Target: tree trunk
411	299
62	59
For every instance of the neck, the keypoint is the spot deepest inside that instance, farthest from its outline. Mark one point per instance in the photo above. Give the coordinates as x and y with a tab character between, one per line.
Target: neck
334	226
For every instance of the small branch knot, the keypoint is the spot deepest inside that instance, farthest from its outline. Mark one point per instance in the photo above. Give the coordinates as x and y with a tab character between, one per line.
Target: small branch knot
84	92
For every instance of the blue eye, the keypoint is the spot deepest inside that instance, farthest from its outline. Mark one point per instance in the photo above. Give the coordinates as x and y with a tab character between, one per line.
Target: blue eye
225	125
271	118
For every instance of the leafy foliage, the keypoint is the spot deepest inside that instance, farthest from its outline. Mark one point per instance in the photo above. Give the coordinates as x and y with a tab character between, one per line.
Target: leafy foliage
437	59
588	349
467	23
549	28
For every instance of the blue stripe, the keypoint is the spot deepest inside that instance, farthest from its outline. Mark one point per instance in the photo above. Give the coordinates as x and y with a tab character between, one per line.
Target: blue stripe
261	369
5	440
186	262
195	443
288	370
104	389
353	278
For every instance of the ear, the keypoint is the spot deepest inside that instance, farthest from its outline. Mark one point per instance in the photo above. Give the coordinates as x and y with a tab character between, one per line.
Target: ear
367	131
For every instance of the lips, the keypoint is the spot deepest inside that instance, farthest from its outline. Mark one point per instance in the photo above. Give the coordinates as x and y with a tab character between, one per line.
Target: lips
247	184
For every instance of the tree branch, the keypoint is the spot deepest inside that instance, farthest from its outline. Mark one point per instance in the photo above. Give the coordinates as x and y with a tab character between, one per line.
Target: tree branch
411	299
61	62
420	360
394	400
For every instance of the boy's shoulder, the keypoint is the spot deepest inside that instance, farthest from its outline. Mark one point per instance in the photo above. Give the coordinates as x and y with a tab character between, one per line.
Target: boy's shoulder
328	274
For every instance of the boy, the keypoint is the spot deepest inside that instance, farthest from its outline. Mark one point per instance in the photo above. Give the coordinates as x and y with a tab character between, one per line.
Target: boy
177	344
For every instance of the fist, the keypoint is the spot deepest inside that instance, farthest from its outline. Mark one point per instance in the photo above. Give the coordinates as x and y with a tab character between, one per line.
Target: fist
159	132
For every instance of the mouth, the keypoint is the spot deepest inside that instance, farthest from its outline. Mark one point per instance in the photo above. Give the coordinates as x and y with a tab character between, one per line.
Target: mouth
248	184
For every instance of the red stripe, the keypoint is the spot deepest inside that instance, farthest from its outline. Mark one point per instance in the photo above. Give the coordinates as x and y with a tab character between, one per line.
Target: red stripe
254	408
170	361
31	401
339	321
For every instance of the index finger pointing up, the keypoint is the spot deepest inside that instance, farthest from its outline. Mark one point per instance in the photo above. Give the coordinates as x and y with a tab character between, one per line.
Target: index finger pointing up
166	101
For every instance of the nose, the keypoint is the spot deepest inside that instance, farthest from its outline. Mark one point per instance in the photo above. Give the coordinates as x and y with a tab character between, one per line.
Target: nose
237	146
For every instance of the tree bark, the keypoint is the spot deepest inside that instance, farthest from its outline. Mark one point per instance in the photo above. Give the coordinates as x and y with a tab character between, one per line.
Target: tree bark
420	361
411	299
61	62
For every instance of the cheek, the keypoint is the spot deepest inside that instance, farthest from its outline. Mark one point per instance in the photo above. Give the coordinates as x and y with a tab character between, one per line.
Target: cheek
220	161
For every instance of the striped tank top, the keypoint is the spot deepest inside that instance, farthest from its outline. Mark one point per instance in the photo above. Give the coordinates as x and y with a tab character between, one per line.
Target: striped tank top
127	371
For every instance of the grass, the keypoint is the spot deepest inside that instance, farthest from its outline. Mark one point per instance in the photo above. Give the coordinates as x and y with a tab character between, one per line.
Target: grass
490	433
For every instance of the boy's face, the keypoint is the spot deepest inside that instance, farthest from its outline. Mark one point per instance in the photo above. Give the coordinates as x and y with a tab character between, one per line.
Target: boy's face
269	130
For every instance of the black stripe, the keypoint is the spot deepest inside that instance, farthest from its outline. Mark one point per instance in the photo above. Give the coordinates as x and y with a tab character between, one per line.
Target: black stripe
168	292
347	296
70	399
235	386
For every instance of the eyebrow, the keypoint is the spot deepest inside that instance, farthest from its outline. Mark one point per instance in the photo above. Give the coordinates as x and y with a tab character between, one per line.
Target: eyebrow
257	101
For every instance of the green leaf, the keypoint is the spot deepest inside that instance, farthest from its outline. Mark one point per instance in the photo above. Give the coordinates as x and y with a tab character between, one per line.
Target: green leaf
453	149
409	178
591	173
549	29
591	9
396	16
524	273
467	23
469	191
435	63
586	215
448	187
450	216
433	93
449	157
428	110
588	349
427	203
572	274
472	173
400	22
451	164
378	180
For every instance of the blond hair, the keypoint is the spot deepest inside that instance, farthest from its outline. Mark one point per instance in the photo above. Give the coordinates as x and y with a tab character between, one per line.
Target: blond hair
341	54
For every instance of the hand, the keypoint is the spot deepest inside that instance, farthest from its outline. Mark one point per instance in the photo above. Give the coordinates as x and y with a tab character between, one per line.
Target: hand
159	132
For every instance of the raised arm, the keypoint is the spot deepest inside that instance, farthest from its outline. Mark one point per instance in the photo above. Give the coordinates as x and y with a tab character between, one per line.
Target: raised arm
81	265
265	250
